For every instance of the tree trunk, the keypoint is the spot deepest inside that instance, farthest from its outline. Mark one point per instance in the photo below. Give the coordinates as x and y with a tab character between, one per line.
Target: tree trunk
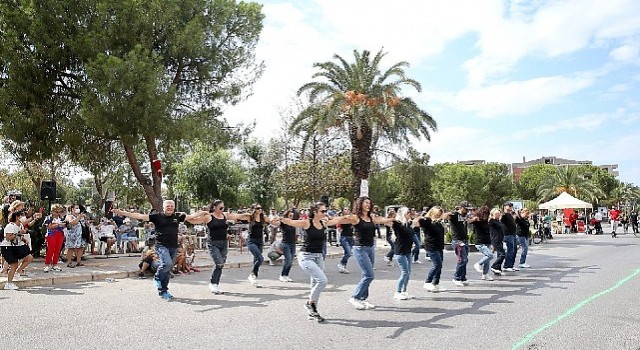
361	152
152	189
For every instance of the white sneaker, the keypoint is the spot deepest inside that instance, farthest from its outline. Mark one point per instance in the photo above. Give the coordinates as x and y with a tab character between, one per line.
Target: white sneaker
417	262
289	279
509	269
515	269
496	271
56	268
458	283
429	286
283	279
399	296
387	260
367	305
486	277
10	286
525	266
409	296
342	269
477	267
46	269
214	288
357	304
465	283
253	279
271	263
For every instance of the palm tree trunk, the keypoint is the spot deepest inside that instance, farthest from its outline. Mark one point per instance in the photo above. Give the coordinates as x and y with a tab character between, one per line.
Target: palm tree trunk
361	152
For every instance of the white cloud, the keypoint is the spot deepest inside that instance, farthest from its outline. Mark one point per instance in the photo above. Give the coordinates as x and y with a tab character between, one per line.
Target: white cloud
515	97
629	52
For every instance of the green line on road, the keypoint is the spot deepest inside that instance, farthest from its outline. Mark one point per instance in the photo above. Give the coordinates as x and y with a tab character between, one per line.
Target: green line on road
573	309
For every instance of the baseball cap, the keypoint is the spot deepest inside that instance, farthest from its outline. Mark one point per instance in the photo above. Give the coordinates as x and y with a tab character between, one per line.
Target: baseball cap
465	204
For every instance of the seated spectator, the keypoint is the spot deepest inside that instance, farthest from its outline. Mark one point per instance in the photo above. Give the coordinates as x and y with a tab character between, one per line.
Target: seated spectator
181	262
128	235
190	258
150	260
106	231
275	252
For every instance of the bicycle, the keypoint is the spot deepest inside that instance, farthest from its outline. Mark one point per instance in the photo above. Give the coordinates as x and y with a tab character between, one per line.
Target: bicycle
542	234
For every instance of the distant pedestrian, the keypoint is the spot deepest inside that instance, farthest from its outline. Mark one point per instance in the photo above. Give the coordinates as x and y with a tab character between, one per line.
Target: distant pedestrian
633	218
614	219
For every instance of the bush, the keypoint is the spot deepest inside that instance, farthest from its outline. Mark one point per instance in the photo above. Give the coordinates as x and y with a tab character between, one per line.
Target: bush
447	237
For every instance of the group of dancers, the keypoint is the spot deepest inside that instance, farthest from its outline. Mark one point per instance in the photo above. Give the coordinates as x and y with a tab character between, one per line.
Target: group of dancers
492	228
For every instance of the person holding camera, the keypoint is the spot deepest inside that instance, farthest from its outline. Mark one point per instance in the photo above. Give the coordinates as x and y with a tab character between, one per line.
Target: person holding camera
14	248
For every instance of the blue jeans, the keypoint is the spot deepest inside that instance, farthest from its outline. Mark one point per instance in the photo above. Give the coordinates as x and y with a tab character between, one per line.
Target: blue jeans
416	248
218	251
365	257
433	276
392	247
313	265
256	250
167	258
485	262
462	252
289	250
347	245
524	243
404	262
510	258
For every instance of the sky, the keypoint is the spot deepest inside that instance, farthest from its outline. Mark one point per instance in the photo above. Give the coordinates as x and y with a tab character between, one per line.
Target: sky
503	79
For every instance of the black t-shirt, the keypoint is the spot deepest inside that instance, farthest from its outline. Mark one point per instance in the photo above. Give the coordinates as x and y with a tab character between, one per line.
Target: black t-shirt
256	231
218	228
522	226
497	232
634	218
483	234
458	226
347	230
404	238
433	234
365	233
288	233
509	224
167	228
315	239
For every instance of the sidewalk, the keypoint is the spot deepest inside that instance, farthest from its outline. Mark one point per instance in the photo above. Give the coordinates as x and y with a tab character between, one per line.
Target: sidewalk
118	266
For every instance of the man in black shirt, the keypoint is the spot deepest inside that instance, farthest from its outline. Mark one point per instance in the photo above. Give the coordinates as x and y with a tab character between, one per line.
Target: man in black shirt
166	226
460	241
634	221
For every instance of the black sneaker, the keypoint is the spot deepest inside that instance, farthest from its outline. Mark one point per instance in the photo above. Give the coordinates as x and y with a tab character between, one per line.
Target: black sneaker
313	314
141	276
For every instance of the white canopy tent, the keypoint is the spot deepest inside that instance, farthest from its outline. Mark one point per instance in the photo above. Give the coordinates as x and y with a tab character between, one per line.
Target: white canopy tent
563	201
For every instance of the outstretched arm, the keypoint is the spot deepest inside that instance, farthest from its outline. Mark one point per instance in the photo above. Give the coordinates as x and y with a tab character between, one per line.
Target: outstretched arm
196	216
382	221
295	223
137	216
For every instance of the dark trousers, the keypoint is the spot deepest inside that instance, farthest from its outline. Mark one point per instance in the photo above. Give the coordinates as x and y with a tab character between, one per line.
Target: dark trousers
500	254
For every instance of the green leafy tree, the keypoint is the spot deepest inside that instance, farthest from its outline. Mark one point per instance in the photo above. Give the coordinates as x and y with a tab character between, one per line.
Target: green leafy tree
415	175
207	174
151	74
569	179
531	178
385	187
498	184
365	102
456	182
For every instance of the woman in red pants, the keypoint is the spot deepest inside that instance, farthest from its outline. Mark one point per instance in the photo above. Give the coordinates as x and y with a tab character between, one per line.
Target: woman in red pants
55	237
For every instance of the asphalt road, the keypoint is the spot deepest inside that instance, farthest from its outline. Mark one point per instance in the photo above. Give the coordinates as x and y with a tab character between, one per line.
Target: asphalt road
580	294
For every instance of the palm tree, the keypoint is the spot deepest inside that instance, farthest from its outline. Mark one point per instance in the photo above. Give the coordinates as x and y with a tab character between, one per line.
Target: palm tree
625	193
365	102
569	179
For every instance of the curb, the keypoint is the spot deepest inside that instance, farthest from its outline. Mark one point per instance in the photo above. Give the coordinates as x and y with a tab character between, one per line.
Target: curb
97	276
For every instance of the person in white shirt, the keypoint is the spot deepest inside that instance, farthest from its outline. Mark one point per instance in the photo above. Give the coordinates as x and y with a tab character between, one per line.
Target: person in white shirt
14	248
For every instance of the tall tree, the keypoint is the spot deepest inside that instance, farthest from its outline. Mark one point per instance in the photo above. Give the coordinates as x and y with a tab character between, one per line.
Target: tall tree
569	179
148	73
531	178
365	102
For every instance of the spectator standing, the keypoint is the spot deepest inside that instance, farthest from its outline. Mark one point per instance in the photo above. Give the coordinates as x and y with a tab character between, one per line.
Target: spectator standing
14	248
633	218
73	236
55	237
614	218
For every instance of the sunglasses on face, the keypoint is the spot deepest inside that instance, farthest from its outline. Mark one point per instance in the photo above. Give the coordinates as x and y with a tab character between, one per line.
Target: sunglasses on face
324	211
221	208
259	208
